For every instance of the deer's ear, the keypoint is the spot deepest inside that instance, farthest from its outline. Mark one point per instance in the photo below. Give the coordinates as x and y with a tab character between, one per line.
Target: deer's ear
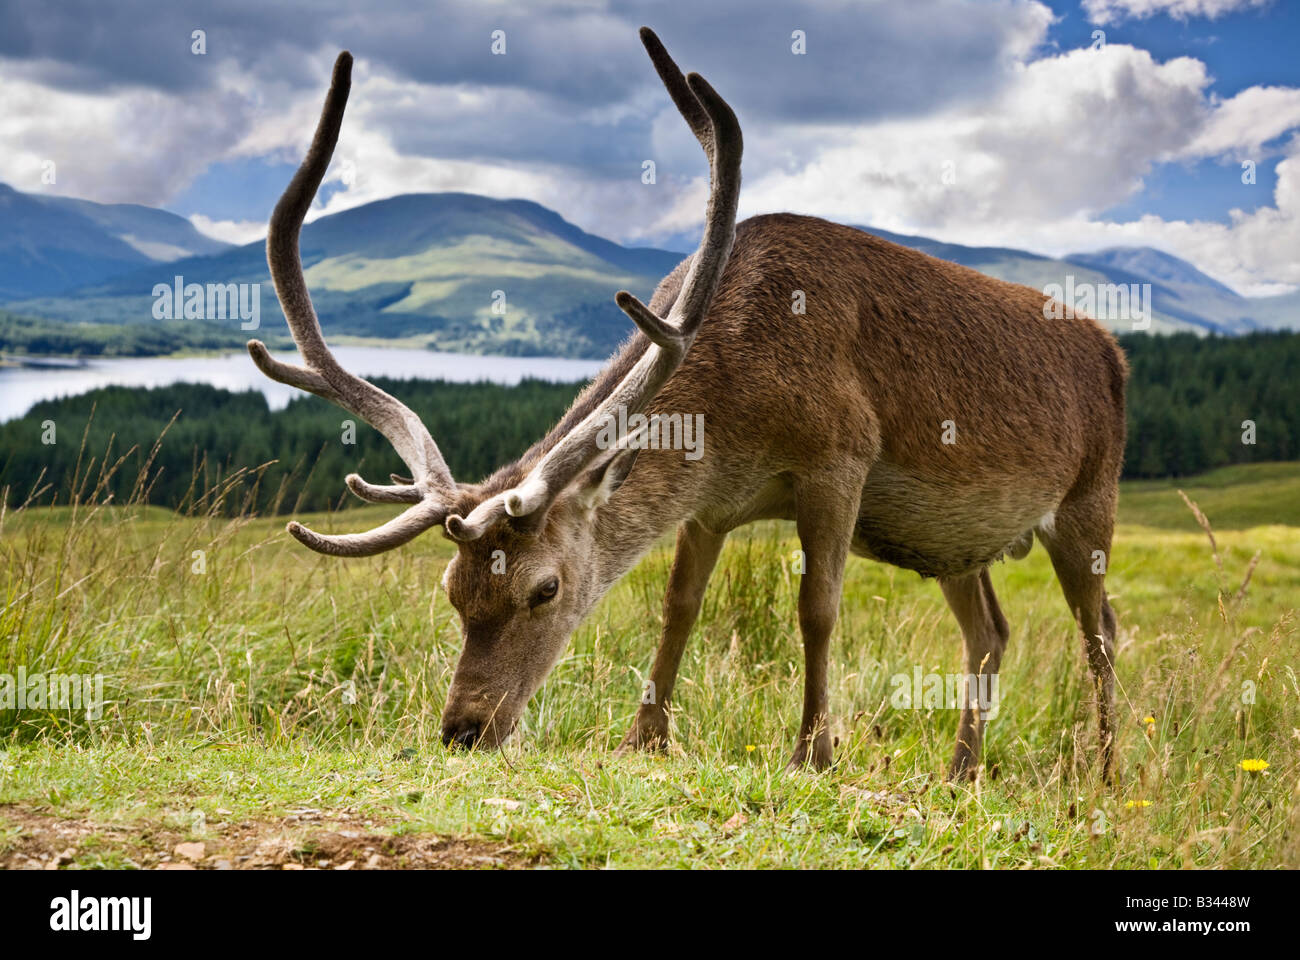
594	487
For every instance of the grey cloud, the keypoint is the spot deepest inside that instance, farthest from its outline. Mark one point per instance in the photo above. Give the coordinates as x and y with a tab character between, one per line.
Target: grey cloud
862	60
574	95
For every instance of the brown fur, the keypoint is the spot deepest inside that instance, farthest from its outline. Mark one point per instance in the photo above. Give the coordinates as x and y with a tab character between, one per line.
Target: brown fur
847	402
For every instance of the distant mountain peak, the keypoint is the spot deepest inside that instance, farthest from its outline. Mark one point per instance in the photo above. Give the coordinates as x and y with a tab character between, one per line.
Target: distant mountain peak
1153	264
52	244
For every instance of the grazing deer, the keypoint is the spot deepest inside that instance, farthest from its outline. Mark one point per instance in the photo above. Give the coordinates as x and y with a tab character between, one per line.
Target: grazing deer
915	412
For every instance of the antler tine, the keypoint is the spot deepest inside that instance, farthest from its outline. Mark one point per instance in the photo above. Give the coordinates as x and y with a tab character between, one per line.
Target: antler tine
716	127
686	102
720	216
397	493
403	528
432	483
479	520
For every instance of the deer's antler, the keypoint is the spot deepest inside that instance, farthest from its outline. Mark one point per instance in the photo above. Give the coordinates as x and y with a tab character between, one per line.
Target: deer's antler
432	486
718	131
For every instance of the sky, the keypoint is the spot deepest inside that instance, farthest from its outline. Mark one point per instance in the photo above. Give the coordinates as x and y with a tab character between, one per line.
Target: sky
1056	126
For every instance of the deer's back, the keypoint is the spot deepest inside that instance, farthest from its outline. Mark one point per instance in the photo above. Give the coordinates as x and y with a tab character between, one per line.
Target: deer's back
952	383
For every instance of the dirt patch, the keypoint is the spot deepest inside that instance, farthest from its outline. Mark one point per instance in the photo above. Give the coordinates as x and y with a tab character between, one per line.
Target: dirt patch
306	840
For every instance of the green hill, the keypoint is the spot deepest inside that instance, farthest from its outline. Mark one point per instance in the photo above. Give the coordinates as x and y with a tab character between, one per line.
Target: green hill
455	271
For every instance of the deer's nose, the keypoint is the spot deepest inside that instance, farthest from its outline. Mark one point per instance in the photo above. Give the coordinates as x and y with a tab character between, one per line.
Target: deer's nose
463	737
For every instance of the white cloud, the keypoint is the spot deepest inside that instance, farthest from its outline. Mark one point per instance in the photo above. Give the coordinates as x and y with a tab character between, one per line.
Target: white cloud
128	146
1239	127
1072	136
1074	132
231	231
1113	11
154	249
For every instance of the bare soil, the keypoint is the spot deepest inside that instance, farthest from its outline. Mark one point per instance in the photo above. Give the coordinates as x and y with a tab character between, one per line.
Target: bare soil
305	840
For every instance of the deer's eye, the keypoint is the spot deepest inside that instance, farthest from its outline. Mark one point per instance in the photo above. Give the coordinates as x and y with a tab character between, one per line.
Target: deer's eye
546	592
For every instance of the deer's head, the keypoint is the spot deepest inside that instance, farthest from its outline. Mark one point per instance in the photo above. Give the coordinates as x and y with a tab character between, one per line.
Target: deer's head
528	566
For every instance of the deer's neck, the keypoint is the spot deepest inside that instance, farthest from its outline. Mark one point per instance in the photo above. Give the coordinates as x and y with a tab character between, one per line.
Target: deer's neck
657	496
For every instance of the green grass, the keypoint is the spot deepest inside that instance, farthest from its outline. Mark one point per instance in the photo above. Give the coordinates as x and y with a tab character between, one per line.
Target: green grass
1233	498
226	693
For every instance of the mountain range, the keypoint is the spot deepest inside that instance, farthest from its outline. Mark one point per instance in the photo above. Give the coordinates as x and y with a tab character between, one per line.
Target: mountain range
1183	298
49	245
467	273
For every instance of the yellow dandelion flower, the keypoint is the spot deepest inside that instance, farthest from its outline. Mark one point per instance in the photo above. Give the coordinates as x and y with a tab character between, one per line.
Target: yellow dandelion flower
1148	719
1254	766
1138	803
750	748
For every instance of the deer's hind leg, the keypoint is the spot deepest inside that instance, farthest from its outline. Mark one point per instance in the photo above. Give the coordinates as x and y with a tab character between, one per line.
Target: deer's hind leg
1078	541
984	639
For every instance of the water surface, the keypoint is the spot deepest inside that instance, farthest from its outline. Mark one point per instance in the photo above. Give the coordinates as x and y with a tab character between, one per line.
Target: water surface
23	387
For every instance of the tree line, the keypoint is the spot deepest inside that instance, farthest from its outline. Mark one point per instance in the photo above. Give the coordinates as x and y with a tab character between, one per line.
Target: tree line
1193	404
292	459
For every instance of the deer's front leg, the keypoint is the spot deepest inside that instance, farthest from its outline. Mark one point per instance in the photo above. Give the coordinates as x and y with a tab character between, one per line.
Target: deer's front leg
697	553
826	514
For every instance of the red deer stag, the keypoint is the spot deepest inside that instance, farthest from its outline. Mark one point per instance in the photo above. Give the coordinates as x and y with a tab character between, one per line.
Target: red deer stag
841	418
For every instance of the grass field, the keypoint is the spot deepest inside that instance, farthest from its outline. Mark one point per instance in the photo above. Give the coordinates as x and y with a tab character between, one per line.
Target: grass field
266	707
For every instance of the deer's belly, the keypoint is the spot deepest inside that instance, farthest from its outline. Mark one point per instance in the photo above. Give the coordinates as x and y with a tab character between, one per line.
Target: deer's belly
942	529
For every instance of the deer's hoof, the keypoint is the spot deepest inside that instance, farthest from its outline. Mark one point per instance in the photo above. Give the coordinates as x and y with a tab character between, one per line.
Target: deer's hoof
817	756
650	736
964	766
